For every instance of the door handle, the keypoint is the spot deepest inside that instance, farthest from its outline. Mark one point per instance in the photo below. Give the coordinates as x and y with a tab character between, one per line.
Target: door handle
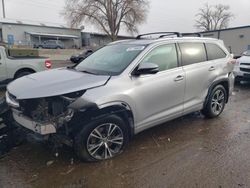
211	68
179	78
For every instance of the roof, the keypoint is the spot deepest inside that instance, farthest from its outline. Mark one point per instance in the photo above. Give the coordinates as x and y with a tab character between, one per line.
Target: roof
227	29
36	23
53	35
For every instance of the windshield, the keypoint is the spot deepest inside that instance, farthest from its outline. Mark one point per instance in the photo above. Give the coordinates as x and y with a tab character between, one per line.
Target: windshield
110	60
246	53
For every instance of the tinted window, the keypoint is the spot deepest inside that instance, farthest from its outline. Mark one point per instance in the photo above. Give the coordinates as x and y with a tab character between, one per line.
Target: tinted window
164	56
214	52
192	53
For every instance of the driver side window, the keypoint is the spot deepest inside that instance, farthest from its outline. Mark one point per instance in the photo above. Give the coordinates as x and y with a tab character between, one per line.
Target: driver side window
164	56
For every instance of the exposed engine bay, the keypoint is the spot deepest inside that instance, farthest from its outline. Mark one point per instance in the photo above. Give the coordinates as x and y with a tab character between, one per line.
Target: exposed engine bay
44	115
44	109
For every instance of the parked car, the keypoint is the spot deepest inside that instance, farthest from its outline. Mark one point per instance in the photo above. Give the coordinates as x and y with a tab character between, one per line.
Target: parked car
50	44
78	58
16	67
122	89
242	67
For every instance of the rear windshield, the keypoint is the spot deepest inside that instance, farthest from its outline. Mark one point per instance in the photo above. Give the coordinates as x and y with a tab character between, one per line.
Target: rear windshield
111	59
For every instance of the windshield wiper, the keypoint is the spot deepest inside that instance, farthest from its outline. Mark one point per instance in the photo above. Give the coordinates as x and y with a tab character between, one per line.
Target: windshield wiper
88	72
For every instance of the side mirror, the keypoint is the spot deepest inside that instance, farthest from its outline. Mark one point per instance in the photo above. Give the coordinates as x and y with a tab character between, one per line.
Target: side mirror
146	68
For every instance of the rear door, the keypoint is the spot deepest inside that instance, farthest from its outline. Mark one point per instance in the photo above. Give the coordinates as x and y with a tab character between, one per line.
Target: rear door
159	96
199	74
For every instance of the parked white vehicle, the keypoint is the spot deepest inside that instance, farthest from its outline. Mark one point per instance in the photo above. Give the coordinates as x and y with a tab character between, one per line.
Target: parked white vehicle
242	67
16	67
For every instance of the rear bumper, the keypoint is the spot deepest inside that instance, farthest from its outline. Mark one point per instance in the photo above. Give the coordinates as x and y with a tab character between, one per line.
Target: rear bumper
231	83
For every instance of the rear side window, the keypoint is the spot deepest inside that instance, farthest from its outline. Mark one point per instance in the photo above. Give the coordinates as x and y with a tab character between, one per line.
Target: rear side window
214	52
192	52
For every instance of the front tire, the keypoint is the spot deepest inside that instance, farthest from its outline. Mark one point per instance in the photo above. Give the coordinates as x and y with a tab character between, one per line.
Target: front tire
216	102
102	139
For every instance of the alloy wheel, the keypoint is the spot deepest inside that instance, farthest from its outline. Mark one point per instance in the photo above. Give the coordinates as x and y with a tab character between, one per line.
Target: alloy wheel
218	101
105	141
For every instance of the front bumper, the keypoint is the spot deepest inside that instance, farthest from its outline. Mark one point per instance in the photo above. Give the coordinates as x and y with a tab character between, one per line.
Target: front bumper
37	127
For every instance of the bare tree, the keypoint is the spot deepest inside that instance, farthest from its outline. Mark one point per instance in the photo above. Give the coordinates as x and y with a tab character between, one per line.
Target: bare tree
108	15
212	17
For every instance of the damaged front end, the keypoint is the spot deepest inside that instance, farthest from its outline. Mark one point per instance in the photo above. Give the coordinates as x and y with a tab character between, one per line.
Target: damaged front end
45	115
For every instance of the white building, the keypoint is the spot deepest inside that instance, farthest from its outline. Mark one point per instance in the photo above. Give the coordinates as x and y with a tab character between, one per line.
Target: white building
236	39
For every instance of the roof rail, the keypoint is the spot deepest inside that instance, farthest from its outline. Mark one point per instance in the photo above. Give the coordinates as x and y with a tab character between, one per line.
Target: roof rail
197	34
163	34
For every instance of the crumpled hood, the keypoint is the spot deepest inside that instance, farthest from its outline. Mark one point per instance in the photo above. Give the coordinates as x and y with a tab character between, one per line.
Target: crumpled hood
54	82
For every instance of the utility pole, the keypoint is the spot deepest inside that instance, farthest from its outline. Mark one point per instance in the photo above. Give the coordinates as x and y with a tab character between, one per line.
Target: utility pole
3	8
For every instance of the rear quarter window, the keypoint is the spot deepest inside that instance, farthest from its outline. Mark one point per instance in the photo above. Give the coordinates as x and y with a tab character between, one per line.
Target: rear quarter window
214	52
192	52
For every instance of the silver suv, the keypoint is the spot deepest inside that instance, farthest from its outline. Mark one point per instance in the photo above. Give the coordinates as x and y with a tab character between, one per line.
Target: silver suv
123	89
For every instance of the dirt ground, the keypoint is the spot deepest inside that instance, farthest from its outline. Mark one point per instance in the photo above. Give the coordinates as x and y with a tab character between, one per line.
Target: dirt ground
188	152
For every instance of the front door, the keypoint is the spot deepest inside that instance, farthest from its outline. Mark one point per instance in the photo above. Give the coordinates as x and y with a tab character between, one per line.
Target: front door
159	97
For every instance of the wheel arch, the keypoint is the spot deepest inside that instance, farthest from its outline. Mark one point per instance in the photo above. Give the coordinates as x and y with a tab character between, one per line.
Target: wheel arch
224	82
23	70
120	109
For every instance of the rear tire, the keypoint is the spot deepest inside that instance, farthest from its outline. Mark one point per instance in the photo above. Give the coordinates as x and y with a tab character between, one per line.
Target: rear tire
216	102
102	139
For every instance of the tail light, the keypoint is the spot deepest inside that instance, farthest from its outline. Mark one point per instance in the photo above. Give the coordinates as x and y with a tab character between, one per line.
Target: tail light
48	64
